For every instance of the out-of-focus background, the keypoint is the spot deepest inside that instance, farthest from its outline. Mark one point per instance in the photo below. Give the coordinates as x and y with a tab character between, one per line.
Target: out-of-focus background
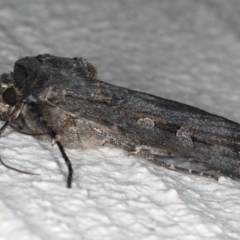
182	50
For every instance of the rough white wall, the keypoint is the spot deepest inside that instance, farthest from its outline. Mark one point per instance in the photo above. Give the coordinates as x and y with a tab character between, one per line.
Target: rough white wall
183	50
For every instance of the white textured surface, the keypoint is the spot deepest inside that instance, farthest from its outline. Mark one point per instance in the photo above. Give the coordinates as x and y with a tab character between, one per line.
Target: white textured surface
183	50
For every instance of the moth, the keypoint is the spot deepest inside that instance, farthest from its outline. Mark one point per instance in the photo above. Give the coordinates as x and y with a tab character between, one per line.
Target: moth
62	100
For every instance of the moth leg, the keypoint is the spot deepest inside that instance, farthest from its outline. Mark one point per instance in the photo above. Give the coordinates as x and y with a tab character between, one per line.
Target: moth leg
147	149
5	125
158	160
13	116
53	136
65	124
15	169
137	150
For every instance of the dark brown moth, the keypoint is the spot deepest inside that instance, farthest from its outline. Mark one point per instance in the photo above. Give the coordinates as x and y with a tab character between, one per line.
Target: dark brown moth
62	100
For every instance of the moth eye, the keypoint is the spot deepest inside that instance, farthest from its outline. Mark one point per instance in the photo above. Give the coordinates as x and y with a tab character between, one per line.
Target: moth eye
10	96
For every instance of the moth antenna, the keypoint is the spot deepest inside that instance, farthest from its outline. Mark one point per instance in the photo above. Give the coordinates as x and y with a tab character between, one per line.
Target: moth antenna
15	169
5	125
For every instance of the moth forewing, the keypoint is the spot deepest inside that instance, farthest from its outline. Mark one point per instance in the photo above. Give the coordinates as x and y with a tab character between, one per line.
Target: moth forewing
63	99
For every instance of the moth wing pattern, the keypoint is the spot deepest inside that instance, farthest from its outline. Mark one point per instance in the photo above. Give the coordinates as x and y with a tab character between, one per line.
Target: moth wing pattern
158	120
125	117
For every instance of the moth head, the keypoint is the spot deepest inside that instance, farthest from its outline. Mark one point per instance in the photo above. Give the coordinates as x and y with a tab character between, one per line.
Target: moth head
8	96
